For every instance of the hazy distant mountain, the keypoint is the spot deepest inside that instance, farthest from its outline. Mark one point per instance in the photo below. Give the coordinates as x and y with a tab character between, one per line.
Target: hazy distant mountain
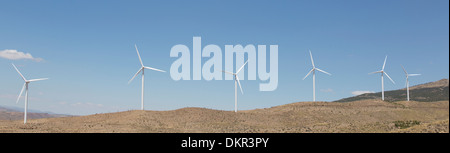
19	109
428	92
15	113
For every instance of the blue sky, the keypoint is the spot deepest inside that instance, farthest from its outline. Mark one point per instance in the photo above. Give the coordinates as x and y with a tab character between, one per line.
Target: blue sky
86	48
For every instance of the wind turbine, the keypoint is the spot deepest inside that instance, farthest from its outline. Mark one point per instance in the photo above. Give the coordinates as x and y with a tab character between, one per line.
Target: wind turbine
313	70
142	70
236	81
382	81
407	81
25	86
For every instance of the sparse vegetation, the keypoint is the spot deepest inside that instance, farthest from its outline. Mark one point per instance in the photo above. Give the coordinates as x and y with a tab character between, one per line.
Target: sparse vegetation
406	124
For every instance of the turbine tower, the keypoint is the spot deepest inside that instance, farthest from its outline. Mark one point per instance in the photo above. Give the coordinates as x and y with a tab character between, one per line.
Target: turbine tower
142	70
382	80
25	86
407	81
236	82
313	70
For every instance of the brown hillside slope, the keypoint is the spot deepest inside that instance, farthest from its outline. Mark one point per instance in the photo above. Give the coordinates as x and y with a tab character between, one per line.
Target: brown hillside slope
440	83
360	116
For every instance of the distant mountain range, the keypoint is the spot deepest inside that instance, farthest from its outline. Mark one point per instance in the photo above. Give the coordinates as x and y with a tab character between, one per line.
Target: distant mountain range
16	113
428	92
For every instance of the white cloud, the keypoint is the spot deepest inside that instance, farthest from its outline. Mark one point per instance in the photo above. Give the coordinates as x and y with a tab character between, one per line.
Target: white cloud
16	55
361	92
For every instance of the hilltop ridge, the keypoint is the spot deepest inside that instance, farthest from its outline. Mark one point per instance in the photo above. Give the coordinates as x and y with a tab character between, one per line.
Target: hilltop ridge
427	92
300	117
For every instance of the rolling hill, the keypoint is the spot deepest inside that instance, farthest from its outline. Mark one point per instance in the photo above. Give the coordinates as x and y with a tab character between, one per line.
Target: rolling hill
300	117
428	112
428	92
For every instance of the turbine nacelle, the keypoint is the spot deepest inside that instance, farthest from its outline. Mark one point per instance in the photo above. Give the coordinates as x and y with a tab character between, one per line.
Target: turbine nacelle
142	66
383	72
236	78
406	73
314	67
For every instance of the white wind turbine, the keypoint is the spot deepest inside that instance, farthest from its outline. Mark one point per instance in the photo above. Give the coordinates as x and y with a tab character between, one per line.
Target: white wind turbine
236	81
142	70
407	81
313	70
382	80
25	86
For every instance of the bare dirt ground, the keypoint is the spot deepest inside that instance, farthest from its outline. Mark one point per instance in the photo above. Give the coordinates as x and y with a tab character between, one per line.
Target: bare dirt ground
368	116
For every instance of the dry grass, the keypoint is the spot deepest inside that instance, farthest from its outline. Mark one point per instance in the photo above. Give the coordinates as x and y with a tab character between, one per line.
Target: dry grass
354	117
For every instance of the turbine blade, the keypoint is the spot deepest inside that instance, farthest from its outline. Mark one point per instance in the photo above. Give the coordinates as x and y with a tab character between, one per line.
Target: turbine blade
384	64
308	74
389	77
139	55
413	74
19	72
312	61
375	72
228	72
239	83
32	80
323	71
135	75
404	70
241	67
154	69
21	91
